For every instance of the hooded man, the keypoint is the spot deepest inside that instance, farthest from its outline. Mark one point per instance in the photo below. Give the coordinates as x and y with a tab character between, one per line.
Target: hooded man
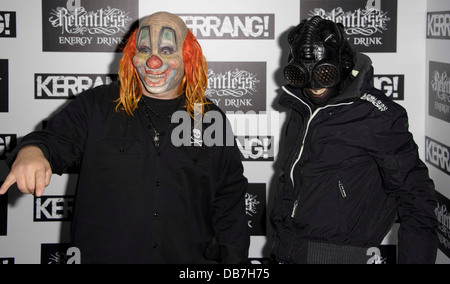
141	199
351	166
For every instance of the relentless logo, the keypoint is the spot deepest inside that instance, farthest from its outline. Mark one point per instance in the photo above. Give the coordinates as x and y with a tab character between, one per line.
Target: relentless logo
370	24
231	26
8	24
438	155
237	85
251	202
438	25
53	86
234	84
391	85
7	143
443	217
256	148
4	86
109	21
53	208
3	213
366	22
255	208
75	25
439	90
440	84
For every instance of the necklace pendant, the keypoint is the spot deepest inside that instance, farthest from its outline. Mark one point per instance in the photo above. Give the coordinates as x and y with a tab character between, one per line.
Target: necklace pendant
156	139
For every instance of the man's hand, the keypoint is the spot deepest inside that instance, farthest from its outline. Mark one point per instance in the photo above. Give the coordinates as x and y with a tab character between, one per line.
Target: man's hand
31	171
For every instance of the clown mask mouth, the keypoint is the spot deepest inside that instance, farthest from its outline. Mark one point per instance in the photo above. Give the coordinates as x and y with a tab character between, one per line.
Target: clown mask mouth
158	80
154	79
158	77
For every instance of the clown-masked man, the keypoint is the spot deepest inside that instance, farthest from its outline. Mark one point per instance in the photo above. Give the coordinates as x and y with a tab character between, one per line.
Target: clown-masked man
140	198
350	166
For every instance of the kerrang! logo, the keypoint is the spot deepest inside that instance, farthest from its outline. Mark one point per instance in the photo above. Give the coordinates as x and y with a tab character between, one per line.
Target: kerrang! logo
367	21
438	25
7	143
109	21
231	26
256	148
391	85
438	155
59	86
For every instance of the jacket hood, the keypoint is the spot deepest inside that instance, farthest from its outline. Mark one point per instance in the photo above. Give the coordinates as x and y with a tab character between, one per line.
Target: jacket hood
360	79
358	82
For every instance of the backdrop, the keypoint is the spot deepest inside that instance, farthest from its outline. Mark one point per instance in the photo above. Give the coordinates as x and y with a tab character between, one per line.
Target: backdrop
51	50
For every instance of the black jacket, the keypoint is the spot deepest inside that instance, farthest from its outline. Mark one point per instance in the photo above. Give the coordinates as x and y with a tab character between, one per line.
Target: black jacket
136	203
350	168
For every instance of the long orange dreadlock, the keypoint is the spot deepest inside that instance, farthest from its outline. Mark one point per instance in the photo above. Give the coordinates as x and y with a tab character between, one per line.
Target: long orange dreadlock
193	84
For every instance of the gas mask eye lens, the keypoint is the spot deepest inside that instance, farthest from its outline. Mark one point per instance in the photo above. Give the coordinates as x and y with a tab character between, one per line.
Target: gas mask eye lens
295	76
326	75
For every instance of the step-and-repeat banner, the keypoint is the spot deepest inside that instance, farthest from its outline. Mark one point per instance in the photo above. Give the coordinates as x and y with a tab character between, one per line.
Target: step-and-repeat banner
51	50
437	135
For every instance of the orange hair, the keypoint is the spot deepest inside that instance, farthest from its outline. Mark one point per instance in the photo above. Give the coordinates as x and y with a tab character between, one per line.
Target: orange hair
193	84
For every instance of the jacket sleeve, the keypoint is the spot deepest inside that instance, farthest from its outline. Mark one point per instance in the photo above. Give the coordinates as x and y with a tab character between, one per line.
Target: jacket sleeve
229	216
62	141
405	177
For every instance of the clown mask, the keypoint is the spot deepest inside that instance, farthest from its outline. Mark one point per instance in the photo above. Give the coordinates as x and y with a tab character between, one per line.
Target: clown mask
159	56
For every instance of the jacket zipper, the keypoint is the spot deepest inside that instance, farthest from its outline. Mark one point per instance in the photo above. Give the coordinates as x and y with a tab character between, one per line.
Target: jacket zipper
342	189
294	209
312	115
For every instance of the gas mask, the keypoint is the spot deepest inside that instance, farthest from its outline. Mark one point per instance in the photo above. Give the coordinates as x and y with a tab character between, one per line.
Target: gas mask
320	59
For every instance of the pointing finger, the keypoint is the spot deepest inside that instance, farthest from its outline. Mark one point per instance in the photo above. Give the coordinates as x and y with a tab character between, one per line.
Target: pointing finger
30	180
40	183
9	181
48	176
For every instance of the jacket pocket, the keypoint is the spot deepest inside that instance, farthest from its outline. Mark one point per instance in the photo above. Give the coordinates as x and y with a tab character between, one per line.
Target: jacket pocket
343	203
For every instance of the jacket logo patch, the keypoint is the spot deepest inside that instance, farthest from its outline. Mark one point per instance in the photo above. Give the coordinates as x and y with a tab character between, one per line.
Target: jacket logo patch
376	102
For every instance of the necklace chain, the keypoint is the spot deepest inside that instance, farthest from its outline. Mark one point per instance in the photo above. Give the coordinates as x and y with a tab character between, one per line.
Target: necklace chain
156	113
157	137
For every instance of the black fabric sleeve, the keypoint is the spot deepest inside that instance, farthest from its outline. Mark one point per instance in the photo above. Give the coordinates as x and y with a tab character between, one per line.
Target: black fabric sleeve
406	178
62	141
230	221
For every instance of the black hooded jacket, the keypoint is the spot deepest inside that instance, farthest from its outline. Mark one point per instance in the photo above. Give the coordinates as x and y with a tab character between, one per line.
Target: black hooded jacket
351	168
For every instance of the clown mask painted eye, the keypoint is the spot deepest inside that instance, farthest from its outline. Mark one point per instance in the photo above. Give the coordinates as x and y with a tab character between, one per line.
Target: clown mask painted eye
144	42
167	50
168	41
